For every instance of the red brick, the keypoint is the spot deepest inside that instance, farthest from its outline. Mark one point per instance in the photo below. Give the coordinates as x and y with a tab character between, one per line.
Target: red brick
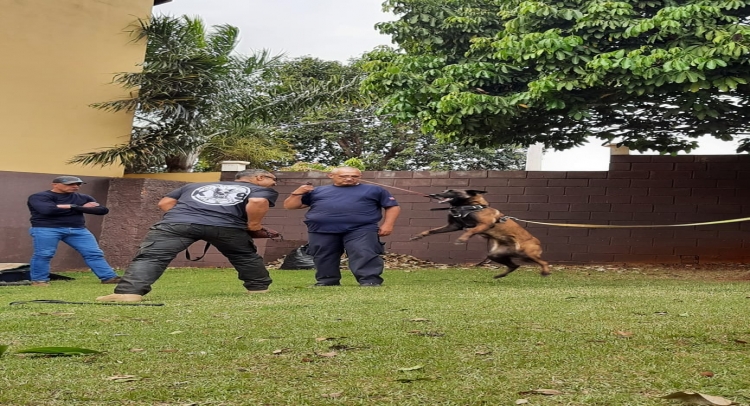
587	175
528	199
657	233
609	232
675	208
690	166
611	191
716	191
669	192
656	249
430	174
632	208
570	232
635	258
468	174
676	159
548	207
742	181
589	207
495	199
694	183
632	241
630	158
717	158
570	199
515	190
536	216
602	217
608	249
651	183
544	190
509	208
568	182
709	174
506	174
593	240
480	182
564	248
558	257
653	166
620	166
559	240
412	182
566	215
545	175
654	218
528	182
591	257
707	199
729	210
451	183
610	199
610	183
654	199
588	191
628	174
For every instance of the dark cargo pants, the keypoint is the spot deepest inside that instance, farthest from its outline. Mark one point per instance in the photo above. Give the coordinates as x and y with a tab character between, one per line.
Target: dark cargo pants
164	241
362	247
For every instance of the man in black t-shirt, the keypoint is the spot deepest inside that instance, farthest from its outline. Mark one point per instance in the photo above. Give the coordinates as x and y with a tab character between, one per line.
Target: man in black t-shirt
220	213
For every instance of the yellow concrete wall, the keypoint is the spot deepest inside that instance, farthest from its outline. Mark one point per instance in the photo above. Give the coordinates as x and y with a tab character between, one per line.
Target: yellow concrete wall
58	57
179	176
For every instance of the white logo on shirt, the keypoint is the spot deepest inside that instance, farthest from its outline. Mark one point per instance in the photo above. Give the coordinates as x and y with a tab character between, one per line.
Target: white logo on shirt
220	195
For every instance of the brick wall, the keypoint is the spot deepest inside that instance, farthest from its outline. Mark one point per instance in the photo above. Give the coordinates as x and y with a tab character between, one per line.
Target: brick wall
637	190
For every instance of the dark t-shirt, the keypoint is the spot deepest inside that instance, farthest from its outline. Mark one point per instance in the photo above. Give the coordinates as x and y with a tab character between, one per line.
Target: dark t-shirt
44	211
220	204
338	209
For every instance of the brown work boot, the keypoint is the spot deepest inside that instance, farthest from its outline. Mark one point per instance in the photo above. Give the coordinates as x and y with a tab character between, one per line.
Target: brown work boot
120	297
257	291
112	281
39	283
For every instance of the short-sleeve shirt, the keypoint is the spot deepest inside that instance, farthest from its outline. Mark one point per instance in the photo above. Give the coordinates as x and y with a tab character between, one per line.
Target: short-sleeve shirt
339	209
220	204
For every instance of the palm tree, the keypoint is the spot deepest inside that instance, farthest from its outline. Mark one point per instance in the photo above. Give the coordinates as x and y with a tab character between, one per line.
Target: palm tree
189	86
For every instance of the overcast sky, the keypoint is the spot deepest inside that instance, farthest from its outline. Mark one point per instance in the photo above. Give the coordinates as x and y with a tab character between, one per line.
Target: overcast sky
326	29
342	29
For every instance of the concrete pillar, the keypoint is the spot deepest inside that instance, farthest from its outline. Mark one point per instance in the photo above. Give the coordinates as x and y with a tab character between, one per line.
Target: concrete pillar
233	166
534	156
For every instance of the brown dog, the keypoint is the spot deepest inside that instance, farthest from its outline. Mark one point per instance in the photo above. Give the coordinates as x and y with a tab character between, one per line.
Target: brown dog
509	242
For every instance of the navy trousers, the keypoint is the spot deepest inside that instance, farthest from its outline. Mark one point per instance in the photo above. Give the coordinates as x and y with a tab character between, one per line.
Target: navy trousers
363	248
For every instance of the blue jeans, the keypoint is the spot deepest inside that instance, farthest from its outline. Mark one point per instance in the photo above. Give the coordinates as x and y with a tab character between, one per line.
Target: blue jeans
45	245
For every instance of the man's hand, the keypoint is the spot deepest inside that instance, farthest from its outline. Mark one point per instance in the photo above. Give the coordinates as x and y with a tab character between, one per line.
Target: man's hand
384	230
91	204
304	189
264	233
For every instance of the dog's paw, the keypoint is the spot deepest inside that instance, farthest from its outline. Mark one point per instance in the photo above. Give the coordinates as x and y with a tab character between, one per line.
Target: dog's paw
459	241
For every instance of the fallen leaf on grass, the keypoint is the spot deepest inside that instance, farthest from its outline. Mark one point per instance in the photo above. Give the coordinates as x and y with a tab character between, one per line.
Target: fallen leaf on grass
136	350
176	332
307	359
522	401
699	398
483	352
58	351
419	319
280	351
409	380
414	368
707	374
169	350
740	341
319	339
327	354
623	333
546	392
123	378
332	395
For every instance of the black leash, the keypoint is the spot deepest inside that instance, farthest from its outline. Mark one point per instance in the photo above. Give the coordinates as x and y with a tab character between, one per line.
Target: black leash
49	301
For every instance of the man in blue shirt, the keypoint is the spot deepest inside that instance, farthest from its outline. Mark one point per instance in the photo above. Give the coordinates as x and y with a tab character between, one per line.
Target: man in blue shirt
344	217
57	215
220	213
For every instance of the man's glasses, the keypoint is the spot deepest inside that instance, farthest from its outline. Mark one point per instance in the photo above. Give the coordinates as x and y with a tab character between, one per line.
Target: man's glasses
269	177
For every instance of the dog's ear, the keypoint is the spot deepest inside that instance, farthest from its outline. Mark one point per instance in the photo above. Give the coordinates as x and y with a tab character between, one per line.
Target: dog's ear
476	192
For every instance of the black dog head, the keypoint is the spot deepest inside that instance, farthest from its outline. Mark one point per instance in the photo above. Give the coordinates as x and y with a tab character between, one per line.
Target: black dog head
457	197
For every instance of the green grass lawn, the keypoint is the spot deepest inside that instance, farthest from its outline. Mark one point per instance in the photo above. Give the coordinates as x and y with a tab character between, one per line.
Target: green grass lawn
428	337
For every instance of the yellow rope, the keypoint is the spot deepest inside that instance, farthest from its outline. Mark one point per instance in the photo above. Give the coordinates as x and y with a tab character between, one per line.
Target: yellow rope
636	226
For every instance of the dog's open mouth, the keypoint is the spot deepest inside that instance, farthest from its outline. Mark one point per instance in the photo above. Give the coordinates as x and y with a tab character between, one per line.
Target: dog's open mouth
441	199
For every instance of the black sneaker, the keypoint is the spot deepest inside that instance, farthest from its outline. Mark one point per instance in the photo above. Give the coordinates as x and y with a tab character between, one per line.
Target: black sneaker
370	285
327	284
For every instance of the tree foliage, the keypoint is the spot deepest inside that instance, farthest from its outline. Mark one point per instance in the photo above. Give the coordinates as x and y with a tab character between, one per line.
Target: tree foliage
349	127
649	74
